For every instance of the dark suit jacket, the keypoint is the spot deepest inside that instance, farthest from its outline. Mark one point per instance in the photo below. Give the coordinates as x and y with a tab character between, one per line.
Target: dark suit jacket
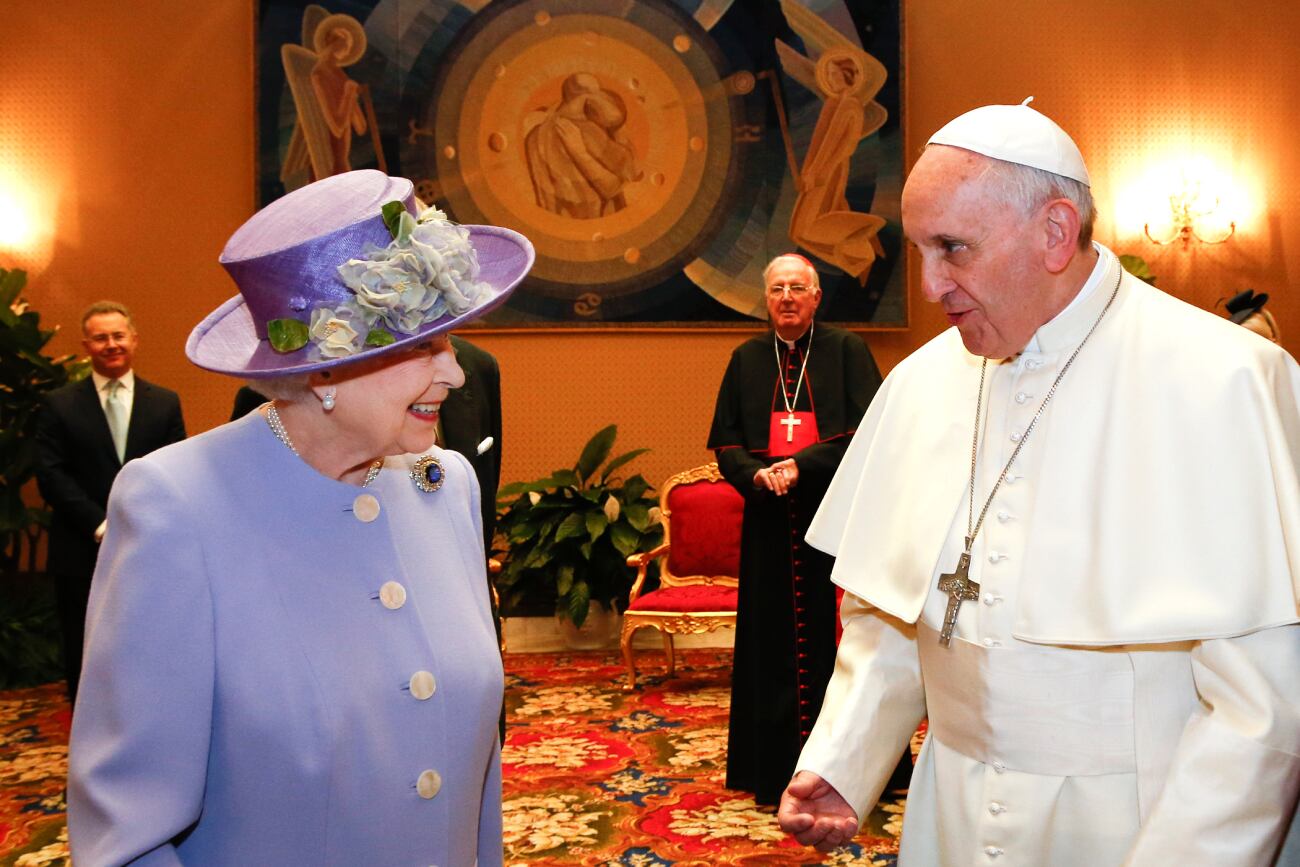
76	463
471	413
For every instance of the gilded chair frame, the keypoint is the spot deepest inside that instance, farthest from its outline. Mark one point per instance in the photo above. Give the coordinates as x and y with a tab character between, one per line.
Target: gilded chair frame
670	623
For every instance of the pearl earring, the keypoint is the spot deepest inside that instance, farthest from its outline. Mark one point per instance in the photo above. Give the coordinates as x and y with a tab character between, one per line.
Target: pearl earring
327	402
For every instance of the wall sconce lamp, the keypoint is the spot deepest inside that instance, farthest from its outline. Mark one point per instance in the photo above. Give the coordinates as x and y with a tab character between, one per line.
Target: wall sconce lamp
1190	210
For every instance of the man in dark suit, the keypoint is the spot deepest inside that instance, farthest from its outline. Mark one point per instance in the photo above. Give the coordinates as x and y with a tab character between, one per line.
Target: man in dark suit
85	432
471	424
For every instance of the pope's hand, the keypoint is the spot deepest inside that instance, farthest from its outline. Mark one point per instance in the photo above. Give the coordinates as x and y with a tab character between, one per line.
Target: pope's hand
815	813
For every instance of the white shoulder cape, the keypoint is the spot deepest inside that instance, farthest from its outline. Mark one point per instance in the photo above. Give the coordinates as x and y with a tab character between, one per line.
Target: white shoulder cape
1168	506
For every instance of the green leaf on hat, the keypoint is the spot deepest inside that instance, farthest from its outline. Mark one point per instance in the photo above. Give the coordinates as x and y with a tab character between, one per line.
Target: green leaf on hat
379	337
287	335
392	216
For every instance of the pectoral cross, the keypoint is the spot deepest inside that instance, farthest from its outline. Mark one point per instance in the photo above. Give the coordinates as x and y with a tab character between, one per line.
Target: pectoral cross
790	421
960	588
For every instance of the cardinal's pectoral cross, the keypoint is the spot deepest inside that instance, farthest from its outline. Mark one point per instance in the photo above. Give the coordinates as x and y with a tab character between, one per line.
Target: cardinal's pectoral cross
960	588
790	421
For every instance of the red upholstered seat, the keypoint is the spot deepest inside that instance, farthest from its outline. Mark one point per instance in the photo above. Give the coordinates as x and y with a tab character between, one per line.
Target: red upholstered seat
696	597
697	592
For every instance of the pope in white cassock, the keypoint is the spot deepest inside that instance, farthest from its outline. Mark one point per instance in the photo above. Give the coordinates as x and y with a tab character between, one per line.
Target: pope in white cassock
1046	552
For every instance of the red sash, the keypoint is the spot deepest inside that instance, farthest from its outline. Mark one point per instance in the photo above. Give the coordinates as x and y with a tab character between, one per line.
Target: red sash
784	439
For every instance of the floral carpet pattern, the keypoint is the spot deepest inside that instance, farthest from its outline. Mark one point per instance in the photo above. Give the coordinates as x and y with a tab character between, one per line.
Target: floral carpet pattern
602	777
593	775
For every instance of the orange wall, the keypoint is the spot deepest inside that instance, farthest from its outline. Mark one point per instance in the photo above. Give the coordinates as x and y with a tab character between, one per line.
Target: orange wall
133	129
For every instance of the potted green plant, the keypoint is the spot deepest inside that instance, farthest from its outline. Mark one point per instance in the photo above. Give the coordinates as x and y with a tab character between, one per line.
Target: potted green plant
29	642
567	536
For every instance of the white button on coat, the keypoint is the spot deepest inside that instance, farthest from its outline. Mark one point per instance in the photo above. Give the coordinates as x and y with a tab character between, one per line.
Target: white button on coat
365	507
1021	397
392	595
429	784
996	809
992	851
423	685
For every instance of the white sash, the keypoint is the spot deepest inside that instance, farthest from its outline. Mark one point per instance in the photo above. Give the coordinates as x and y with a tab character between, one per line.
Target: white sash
1036	710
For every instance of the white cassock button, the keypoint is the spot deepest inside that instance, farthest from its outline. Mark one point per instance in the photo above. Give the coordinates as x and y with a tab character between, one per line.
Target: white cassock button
992	642
1012	477
998	766
1003	517
422	685
1021	397
392	595
991	599
992	851
1033	364
998	557
365	507
995	808
1015	437
429	784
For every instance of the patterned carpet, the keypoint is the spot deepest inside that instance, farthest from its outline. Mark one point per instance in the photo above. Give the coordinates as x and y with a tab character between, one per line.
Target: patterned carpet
593	775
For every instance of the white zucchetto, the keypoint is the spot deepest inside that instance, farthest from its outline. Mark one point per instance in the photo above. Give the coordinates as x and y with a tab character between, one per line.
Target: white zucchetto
1016	134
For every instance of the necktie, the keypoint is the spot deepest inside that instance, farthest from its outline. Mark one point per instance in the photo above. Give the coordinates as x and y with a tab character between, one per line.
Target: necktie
115	410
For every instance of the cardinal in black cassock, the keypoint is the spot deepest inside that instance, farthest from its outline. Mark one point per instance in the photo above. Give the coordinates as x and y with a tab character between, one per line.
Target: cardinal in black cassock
794	394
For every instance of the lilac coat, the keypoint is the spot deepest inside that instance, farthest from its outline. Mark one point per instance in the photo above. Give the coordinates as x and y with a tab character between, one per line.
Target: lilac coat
248	694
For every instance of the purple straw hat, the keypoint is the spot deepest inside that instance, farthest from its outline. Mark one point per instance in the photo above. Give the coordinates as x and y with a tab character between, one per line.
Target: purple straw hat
390	293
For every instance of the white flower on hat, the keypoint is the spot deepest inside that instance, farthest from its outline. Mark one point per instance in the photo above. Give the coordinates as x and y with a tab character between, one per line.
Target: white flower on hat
430	269
336	333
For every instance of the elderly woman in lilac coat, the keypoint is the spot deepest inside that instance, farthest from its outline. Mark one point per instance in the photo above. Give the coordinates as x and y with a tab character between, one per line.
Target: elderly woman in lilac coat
290	657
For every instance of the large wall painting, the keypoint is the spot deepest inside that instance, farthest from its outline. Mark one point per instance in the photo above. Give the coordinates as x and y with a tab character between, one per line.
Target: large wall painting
656	152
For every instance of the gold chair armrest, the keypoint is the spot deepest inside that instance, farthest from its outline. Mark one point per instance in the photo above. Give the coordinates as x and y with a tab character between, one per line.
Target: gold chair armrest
642	562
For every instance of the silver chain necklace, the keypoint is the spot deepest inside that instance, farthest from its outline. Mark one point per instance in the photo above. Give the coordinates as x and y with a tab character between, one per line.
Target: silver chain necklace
790	421
277	428
957	584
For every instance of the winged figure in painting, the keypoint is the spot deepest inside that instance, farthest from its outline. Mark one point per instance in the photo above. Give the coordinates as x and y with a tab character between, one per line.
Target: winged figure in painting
331	106
847	79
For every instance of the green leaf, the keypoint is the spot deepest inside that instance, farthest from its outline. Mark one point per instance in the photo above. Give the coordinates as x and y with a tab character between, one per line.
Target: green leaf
578	602
634	488
585	550
566	479
596	524
287	335
522	532
1137	266
620	461
379	337
572	525
596	450
392	212
638	515
625	538
537	558
564	583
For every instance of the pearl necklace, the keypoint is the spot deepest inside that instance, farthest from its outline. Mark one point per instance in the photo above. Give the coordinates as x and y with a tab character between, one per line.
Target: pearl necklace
277	428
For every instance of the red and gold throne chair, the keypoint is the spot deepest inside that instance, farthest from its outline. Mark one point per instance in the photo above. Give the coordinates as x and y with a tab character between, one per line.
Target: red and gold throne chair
701	515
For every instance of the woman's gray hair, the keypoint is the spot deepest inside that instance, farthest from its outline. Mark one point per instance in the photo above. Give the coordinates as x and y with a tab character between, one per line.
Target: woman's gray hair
294	387
1028	189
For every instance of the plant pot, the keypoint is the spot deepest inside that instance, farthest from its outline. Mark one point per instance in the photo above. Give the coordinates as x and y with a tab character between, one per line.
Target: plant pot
600	629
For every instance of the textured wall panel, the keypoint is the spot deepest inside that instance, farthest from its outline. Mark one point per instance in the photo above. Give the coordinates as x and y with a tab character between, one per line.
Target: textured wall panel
138	121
